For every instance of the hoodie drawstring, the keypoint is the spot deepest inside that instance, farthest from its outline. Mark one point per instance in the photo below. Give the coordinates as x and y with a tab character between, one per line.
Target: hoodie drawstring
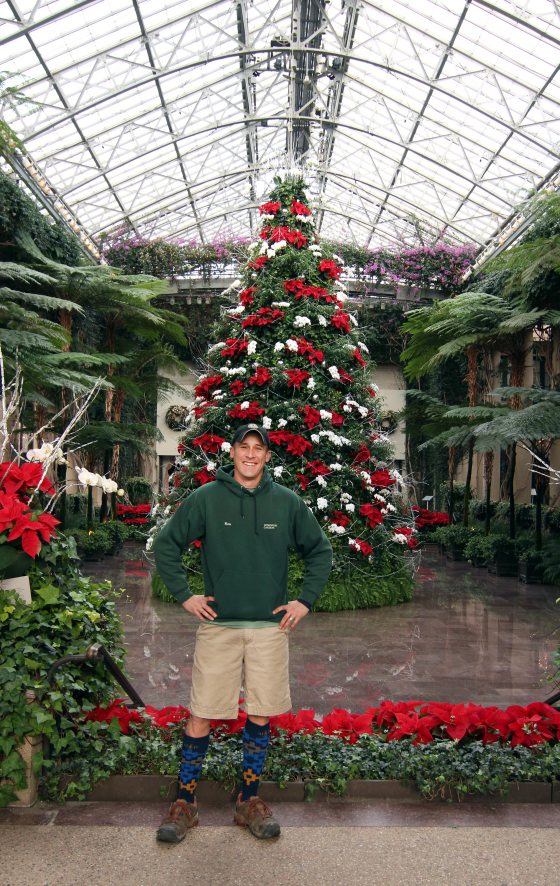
255	508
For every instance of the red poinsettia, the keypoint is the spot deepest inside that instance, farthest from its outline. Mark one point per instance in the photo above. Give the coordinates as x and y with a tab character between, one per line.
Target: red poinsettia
298	208
209	442
23	524
270	208
247	296
235	347
236	387
423	518
337	420
530	726
261	377
339	518
362	455
303	481
362	547
330	268
345	376
298	445
23	479
296	377
317	468
248	413
207	385
407	531
307	349
372	514
280	437
258	264
263	317
204	476
275	235
357	355
311	417
382	479
297	239
341	321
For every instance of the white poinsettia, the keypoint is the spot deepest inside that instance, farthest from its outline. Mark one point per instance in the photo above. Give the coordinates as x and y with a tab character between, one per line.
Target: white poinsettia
322	504
310	384
335	529
350	508
363	347
336	466
292	345
322	320
279	346
280	304
278	471
321	482
267	422
282	422
333	370
300	321
399	538
225	447
251	347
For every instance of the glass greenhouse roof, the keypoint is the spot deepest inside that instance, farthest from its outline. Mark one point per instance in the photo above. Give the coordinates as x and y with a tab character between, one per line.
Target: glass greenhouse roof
173	116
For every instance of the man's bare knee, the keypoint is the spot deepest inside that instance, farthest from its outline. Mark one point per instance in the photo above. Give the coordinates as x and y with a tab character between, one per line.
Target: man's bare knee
197	727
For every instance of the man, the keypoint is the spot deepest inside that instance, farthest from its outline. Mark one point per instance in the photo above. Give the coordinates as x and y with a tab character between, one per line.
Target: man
247	524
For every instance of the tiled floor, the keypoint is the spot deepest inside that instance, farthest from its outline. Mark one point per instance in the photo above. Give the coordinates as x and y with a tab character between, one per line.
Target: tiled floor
466	636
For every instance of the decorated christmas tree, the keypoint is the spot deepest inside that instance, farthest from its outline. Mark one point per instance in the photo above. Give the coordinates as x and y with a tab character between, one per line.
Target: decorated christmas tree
290	357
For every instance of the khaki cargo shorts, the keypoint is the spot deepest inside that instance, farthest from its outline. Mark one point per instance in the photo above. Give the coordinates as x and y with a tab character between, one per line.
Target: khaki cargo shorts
227	659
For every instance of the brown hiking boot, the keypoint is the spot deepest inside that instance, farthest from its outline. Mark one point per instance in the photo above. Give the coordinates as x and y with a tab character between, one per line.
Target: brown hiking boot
257	816
179	819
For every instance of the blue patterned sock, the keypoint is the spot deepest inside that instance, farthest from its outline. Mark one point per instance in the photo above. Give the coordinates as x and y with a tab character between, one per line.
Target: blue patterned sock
192	758
255	744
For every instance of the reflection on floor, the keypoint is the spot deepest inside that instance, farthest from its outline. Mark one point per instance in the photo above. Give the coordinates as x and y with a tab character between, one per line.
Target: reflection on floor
466	636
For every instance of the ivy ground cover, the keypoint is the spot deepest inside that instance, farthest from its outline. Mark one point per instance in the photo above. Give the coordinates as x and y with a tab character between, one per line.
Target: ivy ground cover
447	751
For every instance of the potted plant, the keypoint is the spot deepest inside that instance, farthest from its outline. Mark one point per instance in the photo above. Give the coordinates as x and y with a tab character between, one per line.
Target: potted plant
531	566
457	538
24	524
504	557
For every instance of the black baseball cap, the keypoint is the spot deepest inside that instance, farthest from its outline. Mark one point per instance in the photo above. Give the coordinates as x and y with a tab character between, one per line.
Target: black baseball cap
251	428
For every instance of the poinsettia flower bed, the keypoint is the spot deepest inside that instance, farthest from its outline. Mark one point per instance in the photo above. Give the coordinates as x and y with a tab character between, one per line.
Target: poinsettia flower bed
137	515
422	722
446	751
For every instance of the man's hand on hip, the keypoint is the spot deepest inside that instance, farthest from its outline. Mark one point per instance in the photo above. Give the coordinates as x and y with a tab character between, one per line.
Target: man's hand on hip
198	606
293	614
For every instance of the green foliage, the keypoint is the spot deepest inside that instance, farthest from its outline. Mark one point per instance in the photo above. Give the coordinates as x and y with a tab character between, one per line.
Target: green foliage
455	536
484	548
95	543
20	215
68	613
442	769
381	330
139	490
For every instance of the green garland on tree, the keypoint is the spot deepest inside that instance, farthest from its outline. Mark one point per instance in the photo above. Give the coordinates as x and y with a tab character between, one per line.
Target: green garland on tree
290	357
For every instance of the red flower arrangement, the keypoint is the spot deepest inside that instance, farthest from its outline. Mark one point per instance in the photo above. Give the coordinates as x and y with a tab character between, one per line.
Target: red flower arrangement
247	296
409	533
258	264
298	208
339	518
372	514
134	515
341	321
209	442
311	417
362	455
204	476
382	479
207	385
317	468
294	443
296	377
424	518
330	268
357	355
250	412
235	347
306	348
362	547
424	722
236	387
263	317
25	526
261	377
270	208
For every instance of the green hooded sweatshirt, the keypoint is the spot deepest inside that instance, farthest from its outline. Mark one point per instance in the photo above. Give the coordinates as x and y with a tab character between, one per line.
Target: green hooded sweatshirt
246	536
